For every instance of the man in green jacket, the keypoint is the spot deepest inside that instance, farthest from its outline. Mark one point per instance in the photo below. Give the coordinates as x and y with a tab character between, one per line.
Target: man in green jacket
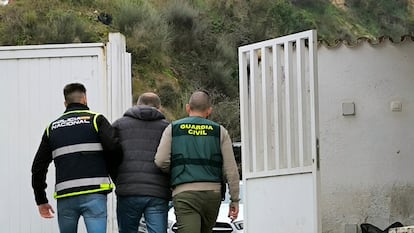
199	155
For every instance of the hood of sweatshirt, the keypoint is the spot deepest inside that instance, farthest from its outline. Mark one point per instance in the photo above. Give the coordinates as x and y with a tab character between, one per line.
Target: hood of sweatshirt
144	113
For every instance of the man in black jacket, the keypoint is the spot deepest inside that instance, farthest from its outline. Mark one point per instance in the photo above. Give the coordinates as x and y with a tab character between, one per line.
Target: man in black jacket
79	142
141	187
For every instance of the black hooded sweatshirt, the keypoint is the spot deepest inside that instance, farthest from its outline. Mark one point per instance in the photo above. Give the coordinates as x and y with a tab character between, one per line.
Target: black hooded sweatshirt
139	132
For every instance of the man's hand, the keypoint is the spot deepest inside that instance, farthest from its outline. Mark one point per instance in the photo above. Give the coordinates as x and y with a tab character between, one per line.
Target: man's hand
46	210
233	211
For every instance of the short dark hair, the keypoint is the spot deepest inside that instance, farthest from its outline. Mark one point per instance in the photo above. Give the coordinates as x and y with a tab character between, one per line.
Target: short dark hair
200	101
74	92
149	99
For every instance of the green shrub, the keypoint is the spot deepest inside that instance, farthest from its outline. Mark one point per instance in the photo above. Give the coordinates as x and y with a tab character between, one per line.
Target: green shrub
168	95
146	32
186	30
227	113
45	22
283	18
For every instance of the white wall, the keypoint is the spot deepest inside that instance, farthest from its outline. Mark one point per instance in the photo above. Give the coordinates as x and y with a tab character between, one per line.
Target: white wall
367	160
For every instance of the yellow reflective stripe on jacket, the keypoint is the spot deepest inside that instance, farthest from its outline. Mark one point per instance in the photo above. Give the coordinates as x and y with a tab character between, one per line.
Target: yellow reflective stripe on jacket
47	129
81	182
103	187
94	122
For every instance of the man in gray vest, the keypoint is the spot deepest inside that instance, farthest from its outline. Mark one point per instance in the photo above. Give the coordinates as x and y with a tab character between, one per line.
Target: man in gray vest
80	143
198	154
141	187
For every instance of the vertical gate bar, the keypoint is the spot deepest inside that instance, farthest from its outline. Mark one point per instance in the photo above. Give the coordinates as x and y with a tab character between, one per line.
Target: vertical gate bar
264	104
127	82
313	90
253	105
244	117
288	81
300	87
277	75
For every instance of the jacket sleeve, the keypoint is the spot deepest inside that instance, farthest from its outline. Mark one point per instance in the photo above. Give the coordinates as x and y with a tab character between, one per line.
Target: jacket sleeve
110	143
163	155
40	167
230	169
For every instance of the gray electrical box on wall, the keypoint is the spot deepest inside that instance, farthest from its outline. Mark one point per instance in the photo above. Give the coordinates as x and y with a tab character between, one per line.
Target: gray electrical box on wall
396	106
348	109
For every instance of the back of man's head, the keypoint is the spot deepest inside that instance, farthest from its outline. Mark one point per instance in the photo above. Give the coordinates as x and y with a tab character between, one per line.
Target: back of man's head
199	101
149	99
74	93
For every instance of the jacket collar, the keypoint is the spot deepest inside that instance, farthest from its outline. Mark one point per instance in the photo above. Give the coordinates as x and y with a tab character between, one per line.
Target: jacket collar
76	106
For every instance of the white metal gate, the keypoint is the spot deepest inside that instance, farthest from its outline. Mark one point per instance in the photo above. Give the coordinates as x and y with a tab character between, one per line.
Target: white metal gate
31	96
279	128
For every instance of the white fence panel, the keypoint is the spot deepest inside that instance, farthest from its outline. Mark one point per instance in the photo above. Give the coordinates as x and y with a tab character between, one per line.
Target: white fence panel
31	96
279	126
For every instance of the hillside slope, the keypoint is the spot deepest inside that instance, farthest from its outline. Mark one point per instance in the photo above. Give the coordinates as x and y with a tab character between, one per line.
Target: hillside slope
178	46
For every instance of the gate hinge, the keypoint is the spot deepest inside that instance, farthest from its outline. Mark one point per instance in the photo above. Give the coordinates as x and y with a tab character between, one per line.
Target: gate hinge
317	154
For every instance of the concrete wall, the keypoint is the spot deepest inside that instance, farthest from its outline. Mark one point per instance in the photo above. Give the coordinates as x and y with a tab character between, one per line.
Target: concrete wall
367	159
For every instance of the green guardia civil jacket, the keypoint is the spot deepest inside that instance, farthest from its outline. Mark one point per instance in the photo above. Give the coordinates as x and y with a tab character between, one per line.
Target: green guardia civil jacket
195	151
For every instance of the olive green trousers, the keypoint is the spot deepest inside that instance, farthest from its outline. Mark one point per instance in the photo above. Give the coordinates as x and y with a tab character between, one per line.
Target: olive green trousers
196	211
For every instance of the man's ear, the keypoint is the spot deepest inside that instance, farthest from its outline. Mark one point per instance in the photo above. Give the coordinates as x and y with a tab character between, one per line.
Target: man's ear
187	108
66	104
84	100
209	111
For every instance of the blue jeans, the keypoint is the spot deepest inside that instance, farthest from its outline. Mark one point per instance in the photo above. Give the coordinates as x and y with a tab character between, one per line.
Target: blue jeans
92	207
129	211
